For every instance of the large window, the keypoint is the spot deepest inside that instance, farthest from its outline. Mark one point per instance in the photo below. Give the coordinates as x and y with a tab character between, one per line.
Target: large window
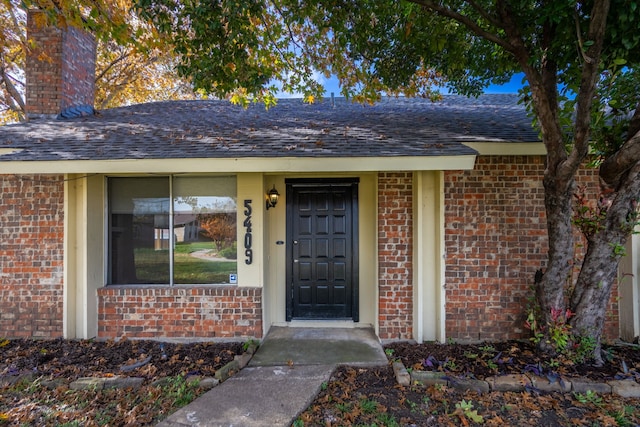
172	230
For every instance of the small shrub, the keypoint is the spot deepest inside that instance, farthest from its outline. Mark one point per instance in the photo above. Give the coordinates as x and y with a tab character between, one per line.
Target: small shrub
230	252
387	420
465	410
368	406
343	407
590	397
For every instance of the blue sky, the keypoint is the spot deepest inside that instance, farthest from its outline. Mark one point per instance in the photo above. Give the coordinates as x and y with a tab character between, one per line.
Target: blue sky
511	87
331	85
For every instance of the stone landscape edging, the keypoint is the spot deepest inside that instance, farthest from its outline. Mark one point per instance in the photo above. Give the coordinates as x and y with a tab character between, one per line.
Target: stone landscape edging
515	382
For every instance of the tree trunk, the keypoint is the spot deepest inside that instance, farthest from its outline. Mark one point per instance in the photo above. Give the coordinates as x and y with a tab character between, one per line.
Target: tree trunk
593	291
550	292
559	187
599	270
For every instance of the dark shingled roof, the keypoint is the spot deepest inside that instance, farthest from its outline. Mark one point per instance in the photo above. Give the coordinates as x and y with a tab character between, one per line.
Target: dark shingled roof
217	129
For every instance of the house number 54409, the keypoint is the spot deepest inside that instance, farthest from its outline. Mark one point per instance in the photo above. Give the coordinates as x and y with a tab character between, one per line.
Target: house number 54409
248	252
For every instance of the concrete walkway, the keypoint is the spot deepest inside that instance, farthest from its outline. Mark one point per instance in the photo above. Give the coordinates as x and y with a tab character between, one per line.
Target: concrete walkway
282	379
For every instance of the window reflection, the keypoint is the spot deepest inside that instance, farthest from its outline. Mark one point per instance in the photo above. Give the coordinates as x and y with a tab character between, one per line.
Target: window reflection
200	237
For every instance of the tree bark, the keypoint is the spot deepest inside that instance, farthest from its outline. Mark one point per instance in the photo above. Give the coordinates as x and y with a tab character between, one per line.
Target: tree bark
594	285
559	187
599	270
614	167
550	292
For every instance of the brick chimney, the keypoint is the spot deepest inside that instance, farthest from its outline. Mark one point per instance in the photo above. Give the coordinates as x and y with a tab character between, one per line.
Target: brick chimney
60	68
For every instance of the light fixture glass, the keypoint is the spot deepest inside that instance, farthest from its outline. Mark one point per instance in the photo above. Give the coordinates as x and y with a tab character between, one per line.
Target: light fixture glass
272	198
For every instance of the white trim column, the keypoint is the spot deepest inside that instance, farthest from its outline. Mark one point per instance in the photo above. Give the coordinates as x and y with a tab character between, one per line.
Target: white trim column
629	290
429	256
71	250
251	191
84	202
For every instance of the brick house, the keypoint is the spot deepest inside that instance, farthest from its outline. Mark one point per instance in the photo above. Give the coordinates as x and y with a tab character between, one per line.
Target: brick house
423	220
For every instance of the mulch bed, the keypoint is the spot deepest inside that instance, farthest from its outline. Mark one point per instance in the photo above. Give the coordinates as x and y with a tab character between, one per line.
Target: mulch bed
35	378
371	396
354	397
71	359
480	361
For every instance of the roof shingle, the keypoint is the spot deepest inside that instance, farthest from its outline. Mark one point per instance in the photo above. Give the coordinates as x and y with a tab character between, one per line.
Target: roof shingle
217	129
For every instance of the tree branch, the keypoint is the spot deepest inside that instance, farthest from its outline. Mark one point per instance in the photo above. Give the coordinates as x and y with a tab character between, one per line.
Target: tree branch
486	15
467	22
542	85
616	166
269	33
22	35
580	41
550	68
125	77
11	89
590	74
113	64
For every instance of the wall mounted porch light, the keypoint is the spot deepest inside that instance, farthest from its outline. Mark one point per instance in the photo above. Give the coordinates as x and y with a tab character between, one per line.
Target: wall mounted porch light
272	197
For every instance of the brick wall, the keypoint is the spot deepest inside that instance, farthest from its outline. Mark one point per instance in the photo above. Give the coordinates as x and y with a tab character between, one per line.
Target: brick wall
179	312
496	238
31	255
395	259
60	67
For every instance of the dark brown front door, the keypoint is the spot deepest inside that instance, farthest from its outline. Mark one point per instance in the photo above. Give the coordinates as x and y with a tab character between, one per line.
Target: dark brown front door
322	249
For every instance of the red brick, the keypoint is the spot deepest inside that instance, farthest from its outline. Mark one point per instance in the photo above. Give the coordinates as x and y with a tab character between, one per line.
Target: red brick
219	311
495	241
60	68
395	255
32	267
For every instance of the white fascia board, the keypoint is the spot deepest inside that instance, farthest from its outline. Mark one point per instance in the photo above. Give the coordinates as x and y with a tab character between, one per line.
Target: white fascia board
239	165
508	148
5	151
